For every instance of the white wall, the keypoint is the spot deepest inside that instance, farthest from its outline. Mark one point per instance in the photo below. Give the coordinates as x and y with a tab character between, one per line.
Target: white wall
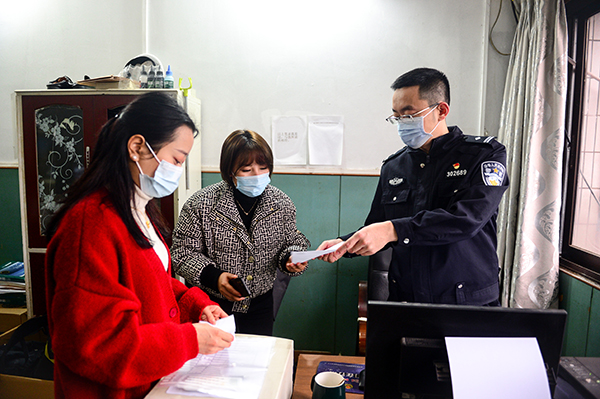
41	40
497	64
252	59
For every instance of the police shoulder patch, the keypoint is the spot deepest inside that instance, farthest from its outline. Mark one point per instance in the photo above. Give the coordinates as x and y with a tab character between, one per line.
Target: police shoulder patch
493	173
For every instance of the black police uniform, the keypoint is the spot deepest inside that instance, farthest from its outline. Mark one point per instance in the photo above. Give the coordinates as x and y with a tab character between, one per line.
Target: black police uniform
443	206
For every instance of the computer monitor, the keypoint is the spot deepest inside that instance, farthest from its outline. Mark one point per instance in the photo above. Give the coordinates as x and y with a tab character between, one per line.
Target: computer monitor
406	351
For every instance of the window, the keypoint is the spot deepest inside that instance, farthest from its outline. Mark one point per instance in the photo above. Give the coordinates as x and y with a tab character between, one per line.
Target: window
581	217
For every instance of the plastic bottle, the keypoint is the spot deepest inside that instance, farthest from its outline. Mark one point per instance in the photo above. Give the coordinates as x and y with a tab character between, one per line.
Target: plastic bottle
159	80
169	82
151	79
143	78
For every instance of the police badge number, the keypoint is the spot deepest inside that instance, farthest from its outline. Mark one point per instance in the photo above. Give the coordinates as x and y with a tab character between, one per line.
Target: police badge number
493	173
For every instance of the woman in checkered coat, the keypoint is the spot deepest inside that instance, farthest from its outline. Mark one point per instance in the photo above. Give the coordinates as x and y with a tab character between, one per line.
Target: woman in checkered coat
241	227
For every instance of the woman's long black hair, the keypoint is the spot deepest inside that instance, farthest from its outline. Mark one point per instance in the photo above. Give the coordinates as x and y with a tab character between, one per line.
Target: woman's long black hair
155	116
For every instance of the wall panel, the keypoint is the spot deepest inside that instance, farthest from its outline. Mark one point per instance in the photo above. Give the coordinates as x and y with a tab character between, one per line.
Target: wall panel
593	341
308	312
356	195
576	297
11	243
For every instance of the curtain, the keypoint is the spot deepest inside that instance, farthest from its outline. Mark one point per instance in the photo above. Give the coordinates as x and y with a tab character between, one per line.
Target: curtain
532	126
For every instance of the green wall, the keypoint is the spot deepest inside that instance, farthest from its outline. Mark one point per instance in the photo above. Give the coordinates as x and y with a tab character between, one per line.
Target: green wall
582	303
11	244
319	310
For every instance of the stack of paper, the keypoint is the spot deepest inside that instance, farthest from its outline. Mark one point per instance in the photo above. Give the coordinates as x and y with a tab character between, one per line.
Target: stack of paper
237	372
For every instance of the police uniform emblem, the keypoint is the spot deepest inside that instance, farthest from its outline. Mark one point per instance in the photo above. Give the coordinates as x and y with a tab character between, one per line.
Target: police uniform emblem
395	181
493	173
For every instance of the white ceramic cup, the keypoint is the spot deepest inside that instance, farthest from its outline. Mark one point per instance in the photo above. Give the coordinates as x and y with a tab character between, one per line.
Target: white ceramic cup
328	385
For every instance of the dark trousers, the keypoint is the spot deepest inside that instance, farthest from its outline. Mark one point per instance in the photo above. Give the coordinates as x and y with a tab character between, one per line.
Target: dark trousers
259	318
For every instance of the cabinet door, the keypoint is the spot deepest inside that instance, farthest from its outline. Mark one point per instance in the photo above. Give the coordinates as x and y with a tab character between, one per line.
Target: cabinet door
59	134
55	140
106	107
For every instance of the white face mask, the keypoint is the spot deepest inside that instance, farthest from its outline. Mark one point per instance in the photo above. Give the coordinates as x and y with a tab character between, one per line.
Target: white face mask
412	130
165	180
252	186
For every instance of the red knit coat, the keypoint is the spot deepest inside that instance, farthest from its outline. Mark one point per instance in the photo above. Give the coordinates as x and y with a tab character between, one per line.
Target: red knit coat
118	321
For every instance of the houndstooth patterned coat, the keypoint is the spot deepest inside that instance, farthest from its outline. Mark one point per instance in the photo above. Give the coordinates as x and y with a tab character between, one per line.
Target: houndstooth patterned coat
210	231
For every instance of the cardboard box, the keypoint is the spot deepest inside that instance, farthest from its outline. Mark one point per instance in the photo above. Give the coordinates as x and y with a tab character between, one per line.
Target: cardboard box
16	387
11	317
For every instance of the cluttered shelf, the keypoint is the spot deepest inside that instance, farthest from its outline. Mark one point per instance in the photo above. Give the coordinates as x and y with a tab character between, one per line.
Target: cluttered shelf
12	296
12	285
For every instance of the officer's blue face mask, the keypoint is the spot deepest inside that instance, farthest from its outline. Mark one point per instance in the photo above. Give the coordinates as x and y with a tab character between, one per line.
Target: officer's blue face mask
252	186
165	180
412	131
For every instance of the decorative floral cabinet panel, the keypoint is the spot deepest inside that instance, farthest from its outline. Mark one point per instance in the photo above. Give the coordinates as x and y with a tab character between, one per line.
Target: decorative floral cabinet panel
57	133
60	156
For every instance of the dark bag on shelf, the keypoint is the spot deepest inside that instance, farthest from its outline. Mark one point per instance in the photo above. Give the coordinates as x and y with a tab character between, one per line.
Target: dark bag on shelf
23	358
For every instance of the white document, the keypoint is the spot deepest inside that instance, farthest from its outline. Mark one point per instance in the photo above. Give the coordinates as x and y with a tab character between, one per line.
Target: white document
226	324
303	256
325	140
237	372
497	368
289	140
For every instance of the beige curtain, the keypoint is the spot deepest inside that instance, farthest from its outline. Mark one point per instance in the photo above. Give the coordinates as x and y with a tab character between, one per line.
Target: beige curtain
532	128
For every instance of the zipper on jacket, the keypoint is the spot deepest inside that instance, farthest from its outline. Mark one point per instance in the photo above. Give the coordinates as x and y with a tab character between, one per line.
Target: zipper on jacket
235	224
265	216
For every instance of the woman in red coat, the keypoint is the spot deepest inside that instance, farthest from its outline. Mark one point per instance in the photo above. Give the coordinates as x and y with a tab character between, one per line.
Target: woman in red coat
118	320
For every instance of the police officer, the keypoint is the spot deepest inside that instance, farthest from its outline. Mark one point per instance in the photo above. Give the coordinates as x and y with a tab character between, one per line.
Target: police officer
436	202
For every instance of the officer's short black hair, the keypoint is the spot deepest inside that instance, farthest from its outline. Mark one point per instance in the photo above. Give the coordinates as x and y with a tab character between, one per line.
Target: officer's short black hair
433	84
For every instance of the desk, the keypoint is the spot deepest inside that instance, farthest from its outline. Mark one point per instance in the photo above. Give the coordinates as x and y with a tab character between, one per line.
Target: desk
278	381
307	367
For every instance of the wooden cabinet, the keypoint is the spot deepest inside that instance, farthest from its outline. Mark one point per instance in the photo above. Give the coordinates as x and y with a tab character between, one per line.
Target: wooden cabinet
57	133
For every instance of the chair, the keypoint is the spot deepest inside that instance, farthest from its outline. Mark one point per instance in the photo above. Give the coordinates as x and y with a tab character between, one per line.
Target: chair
377	289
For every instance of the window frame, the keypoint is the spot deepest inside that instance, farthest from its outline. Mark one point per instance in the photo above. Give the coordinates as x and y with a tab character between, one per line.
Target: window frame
572	259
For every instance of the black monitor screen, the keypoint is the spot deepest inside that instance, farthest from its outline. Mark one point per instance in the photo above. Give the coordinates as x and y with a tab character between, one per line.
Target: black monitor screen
406	352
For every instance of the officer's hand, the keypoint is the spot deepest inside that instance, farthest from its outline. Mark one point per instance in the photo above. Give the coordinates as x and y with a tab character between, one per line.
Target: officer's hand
370	239
226	289
333	256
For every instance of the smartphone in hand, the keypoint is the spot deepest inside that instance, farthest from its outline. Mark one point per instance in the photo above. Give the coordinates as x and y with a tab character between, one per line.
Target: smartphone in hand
240	286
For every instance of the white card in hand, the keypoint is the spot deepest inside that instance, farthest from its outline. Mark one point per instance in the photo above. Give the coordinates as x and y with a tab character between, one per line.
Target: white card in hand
303	256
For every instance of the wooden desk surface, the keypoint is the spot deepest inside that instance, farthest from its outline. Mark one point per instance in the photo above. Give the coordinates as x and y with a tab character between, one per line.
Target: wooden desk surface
307	367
